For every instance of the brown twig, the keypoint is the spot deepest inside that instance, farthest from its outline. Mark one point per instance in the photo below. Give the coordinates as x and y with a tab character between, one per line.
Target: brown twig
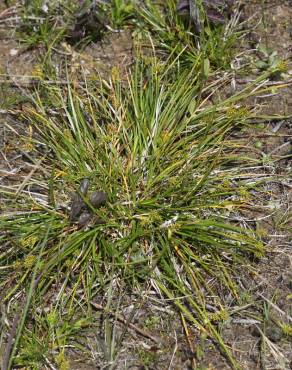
33	82
120	318
271	83
18	18
7	12
9	344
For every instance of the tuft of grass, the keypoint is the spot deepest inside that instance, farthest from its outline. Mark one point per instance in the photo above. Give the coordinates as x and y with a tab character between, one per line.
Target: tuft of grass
44	23
48	24
121	13
160	149
173	36
155	23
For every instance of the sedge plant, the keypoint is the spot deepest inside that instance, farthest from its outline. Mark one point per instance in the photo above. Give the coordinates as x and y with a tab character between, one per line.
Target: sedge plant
159	148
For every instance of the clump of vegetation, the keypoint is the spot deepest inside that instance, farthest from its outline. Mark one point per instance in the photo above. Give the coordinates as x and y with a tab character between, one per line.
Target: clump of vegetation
161	153
50	23
44	23
177	34
156	146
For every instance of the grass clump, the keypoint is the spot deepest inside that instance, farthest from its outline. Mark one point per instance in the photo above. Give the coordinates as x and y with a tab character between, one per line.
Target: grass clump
44	23
160	150
48	24
172	34
79	23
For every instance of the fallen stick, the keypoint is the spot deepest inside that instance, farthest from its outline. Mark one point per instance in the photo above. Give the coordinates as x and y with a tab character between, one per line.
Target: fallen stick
120	318
33	82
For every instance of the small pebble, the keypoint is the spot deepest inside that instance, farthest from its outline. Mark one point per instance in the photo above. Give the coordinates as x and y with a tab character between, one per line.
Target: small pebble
76	206
13	52
98	198
84	185
84	219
